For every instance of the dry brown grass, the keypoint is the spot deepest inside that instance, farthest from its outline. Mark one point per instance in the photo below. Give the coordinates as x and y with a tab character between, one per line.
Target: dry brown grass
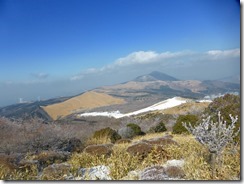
196	159
120	162
87	100
185	108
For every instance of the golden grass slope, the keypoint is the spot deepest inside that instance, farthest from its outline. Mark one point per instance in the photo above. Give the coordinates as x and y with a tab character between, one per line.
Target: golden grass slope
186	108
87	100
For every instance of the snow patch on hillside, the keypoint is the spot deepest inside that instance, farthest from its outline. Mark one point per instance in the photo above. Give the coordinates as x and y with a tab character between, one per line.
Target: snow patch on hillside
172	102
201	101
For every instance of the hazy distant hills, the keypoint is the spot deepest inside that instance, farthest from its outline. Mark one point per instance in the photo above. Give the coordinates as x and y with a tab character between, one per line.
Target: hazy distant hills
33	109
139	93
233	79
154	76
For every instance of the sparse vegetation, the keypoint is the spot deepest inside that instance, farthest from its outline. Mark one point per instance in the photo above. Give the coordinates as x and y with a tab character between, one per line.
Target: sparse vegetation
196	159
126	132
35	150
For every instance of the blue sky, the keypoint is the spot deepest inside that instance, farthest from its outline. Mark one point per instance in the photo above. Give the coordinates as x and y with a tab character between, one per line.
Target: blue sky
60	47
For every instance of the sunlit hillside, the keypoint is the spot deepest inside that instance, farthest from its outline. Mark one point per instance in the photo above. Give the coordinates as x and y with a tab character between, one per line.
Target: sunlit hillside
84	101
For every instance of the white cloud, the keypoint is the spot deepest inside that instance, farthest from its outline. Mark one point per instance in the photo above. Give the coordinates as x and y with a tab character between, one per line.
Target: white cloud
137	57
224	53
145	57
141	60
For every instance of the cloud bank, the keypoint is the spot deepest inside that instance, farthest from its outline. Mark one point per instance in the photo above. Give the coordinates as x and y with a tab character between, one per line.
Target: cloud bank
172	61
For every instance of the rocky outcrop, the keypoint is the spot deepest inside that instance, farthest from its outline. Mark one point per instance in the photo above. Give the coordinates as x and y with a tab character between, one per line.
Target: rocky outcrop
95	173
141	149
153	173
171	170
144	147
176	163
100	172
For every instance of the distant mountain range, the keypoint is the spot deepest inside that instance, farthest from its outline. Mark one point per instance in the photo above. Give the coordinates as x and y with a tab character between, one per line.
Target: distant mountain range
233	79
136	94
154	76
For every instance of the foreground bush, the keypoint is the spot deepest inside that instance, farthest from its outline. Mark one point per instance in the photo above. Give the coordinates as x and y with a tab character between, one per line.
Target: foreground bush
178	128
160	127
215	136
136	128
107	133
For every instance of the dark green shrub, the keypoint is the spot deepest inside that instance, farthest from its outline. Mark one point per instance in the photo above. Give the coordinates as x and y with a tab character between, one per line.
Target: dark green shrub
136	128
158	128
178	128
107	133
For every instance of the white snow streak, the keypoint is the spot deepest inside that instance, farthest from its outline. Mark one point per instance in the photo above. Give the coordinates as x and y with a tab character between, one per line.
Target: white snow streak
172	102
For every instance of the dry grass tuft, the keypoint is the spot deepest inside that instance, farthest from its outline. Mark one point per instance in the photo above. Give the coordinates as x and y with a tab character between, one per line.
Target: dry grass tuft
95	141
196	159
192	107
123	141
120	162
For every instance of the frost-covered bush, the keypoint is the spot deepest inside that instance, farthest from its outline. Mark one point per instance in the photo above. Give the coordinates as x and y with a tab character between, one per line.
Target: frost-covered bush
227	104
214	135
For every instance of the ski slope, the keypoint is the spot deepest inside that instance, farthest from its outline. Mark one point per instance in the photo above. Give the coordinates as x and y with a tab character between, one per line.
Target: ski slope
172	102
